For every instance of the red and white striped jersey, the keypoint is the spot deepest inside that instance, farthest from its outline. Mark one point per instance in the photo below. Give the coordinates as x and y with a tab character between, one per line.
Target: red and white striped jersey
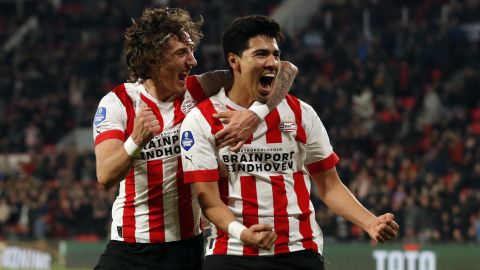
154	205
267	181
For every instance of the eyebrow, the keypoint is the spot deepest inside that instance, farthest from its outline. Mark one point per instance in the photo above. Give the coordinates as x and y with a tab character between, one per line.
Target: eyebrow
183	49
266	51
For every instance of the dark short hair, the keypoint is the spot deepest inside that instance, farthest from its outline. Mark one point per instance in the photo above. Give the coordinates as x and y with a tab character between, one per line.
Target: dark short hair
145	39
235	39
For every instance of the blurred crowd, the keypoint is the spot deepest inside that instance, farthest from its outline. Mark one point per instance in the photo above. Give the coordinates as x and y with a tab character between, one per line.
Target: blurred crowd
399	97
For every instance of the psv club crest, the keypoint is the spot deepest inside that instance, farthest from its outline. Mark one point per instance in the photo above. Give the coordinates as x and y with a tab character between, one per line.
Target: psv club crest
188	105
288	126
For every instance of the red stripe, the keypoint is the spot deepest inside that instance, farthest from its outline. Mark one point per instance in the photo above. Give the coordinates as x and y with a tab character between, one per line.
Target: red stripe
324	164
294	104
127	102
280	218
207	109
195	88
250	208
201	176
110	134
303	199
274	135
129	208
155	201
178	114
221	241
185	210
152	105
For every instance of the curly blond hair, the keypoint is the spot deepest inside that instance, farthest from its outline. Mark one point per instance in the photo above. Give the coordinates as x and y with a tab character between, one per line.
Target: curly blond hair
145	40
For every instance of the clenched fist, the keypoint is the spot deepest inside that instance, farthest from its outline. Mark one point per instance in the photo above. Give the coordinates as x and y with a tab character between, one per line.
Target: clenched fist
145	126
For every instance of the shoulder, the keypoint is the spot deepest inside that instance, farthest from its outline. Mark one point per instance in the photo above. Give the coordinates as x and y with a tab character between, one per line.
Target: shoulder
210	105
123	94
203	109
194	88
298	104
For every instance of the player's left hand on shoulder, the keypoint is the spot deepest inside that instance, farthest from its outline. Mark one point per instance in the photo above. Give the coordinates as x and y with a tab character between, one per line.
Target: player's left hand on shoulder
240	126
384	228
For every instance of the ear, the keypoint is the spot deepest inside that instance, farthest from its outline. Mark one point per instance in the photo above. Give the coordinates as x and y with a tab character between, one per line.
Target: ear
234	61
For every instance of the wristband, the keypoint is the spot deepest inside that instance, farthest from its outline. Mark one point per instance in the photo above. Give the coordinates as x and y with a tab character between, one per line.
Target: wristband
132	149
235	229
260	109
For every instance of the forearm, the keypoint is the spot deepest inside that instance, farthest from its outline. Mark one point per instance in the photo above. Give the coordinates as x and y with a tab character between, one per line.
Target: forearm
112	164
257	235
213	81
282	84
213	207
342	202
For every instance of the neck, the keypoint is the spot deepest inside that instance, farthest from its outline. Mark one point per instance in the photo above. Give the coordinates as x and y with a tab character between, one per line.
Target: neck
240	95
155	91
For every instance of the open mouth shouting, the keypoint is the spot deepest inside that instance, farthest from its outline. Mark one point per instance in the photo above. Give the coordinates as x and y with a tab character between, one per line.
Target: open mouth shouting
266	83
182	77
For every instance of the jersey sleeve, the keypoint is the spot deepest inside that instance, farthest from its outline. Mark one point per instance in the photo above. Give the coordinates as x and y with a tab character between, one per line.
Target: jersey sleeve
109	121
208	84
199	158
195	88
319	152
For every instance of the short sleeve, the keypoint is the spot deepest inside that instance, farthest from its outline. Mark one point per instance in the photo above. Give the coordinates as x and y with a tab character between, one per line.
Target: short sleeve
199	158
319	152
109	121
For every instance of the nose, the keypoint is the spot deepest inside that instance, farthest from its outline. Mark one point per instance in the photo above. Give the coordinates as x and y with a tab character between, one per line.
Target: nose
272	61
191	61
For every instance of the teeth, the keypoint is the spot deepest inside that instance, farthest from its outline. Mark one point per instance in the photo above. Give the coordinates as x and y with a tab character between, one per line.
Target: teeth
269	75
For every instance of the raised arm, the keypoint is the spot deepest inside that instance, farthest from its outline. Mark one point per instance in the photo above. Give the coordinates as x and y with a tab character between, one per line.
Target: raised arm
342	202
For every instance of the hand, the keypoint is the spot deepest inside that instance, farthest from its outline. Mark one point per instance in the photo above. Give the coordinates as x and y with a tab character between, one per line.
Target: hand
145	126
240	126
259	235
383	228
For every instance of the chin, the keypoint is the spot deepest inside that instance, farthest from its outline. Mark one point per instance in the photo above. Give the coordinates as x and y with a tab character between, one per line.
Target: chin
181	89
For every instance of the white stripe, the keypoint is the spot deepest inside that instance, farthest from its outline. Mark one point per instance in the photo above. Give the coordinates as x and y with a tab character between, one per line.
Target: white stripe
211	239
234	191
265	213
316	230
294	235
170	199
142	225
117	212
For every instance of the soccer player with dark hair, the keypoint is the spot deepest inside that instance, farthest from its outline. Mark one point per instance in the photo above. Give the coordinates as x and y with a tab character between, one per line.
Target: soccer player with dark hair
264	189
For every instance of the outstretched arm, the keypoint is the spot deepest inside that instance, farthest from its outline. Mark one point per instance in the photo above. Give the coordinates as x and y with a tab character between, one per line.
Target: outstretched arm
342	202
